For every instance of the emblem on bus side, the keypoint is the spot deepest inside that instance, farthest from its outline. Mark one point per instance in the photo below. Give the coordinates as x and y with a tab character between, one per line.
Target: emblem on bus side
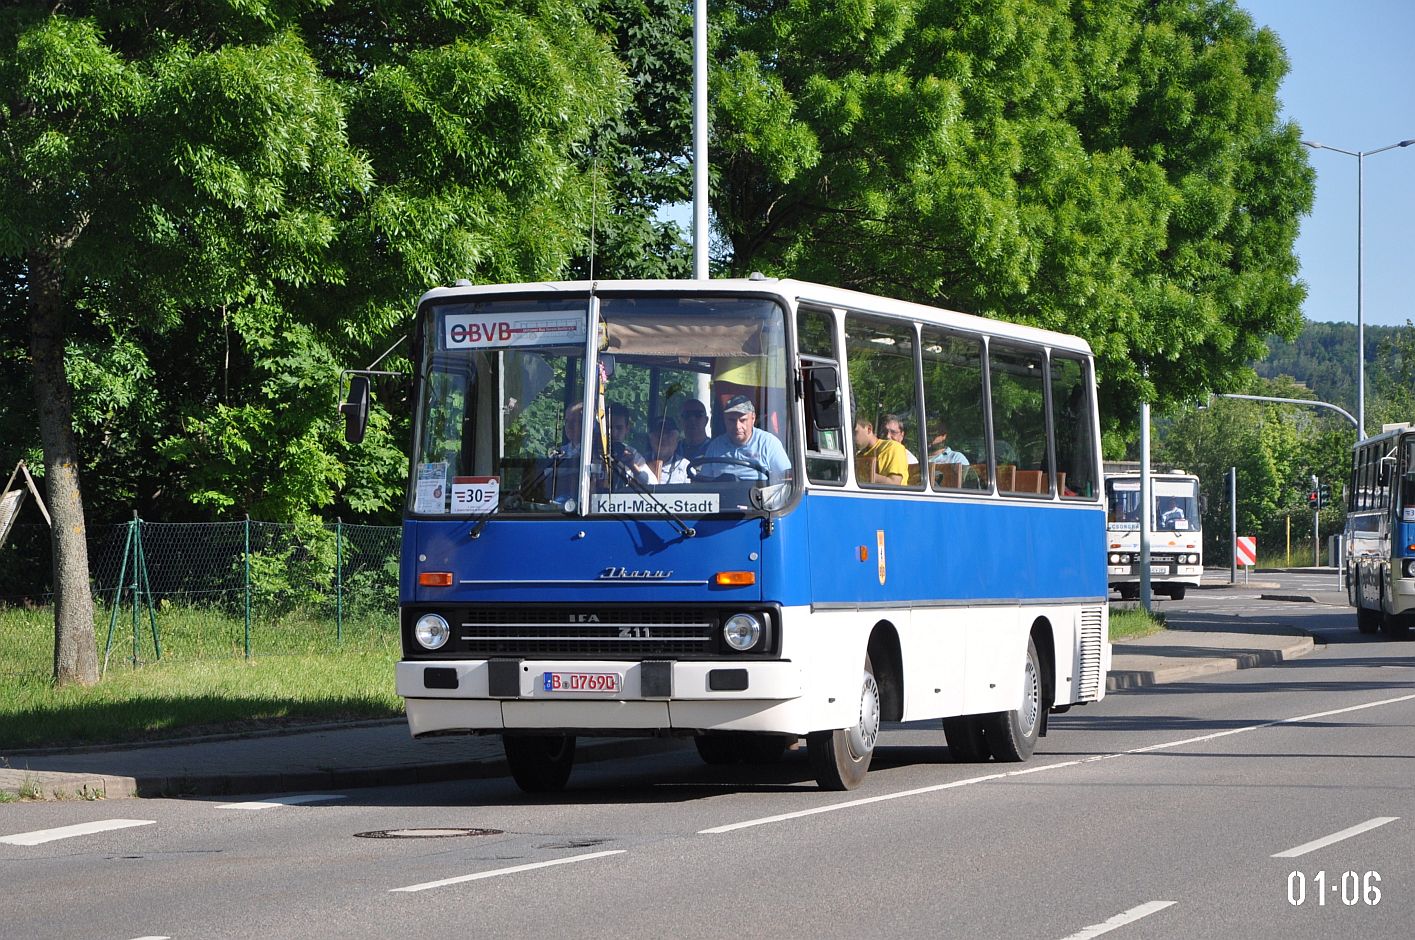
624	574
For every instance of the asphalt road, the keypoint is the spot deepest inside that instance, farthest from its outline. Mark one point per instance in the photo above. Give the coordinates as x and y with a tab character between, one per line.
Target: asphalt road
1203	809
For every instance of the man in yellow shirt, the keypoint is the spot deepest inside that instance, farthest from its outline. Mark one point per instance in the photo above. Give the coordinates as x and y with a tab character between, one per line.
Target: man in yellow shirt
878	460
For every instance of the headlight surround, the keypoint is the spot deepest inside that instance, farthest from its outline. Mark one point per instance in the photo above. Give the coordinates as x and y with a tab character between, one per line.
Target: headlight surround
1410	567
742	632
431	631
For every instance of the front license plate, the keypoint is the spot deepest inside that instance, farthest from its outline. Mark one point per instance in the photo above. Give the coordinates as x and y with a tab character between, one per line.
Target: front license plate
1159	569
583	681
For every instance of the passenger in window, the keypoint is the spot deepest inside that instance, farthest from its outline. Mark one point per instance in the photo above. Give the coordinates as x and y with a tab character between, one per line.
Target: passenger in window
621	450
666	463
693	440
878	459
893	427
939	451
756	453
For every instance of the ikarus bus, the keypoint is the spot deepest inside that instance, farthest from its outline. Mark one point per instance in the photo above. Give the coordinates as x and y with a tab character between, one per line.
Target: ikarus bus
1176	539
1379	569
751	512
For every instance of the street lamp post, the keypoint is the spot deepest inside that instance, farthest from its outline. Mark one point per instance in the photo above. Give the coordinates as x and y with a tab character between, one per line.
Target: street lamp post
1360	156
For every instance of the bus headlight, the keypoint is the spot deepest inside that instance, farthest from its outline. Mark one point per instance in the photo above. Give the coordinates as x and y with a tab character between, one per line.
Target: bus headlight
431	631
1193	559
742	631
1410	567
1114	558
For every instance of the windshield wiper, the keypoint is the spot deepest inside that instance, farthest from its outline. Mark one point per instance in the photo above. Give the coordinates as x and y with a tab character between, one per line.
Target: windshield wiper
627	473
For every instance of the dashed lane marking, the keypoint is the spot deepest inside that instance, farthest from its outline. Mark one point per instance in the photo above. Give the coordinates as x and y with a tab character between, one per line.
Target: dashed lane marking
506	871
1120	920
40	836
1335	837
285	801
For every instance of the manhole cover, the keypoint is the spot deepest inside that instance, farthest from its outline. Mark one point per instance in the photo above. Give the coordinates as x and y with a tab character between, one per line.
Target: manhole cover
425	833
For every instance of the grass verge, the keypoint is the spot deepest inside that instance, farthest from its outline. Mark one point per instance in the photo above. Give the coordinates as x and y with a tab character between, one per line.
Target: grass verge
203	684
1128	623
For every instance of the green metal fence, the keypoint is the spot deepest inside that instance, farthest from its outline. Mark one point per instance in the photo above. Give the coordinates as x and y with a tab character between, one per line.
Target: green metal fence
224	589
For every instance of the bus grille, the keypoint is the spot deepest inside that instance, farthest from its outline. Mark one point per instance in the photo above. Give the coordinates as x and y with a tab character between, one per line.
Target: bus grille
620	633
1092	648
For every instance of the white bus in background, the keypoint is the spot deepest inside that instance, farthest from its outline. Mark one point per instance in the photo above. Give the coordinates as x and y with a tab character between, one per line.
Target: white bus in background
1176	536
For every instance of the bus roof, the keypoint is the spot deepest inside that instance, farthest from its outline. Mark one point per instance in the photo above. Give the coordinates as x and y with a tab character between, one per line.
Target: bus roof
803	291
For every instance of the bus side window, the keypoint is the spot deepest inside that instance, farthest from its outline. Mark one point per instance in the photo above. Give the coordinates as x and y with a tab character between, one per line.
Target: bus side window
954	431
885	391
1071	427
1019	418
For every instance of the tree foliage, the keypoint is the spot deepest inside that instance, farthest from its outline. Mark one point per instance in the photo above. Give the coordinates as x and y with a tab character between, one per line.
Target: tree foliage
207	210
1115	170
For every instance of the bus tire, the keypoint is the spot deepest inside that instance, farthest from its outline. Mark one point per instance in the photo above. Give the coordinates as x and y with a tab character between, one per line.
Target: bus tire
840	759
1176	592
539	763
1012	735
966	741
740	747
1368	621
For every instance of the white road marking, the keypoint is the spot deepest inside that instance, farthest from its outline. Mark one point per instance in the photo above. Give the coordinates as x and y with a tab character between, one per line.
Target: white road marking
1325	841
507	871
285	801
851	804
1119	920
152	938
41	836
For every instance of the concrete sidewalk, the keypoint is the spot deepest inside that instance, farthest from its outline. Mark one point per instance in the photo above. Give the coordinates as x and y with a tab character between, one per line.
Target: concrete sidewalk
365	754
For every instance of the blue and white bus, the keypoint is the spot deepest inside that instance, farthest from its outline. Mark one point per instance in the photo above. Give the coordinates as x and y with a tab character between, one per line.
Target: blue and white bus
1380	531
1176	539
723	565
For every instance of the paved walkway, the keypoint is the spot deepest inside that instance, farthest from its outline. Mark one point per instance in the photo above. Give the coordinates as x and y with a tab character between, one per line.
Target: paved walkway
382	753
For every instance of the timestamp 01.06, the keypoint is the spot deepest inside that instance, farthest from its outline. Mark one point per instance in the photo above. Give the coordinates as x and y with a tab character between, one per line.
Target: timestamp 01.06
1351	887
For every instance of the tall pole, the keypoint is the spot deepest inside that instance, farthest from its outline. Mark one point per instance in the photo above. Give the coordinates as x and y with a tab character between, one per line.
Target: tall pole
1146	506
1233	525
700	131
1360	156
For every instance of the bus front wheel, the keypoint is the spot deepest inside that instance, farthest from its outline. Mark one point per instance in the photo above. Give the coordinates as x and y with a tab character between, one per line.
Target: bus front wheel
540	763
1367	620
1012	735
840	758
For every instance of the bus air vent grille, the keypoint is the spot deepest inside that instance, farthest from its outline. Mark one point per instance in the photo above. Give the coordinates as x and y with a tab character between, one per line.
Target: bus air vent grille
633	633
1092	649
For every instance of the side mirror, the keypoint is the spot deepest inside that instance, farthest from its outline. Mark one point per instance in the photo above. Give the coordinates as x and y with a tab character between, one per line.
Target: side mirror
355	409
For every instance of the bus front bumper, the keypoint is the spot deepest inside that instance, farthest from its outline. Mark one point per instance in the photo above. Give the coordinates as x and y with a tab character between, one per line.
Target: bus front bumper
480	695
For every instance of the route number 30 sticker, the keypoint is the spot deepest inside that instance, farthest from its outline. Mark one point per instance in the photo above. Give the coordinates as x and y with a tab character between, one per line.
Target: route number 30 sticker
475	494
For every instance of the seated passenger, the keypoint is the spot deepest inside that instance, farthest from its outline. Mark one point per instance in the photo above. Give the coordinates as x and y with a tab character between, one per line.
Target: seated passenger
666	463
893	426
746	443
694	439
939	451
877	459
622	451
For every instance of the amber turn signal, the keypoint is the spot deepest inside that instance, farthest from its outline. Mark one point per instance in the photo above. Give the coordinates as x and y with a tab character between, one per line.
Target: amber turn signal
435	579
735	578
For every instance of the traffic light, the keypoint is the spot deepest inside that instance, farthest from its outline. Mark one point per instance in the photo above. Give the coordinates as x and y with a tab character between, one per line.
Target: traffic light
1323	495
1313	499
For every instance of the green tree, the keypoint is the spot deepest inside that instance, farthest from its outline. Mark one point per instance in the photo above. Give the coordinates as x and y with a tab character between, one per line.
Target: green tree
206	210
1115	170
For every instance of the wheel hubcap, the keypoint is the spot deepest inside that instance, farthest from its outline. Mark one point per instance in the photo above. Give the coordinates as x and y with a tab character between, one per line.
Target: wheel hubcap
862	736
1031	697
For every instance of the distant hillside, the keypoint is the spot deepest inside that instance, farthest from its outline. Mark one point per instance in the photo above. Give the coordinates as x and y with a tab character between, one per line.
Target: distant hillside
1323	357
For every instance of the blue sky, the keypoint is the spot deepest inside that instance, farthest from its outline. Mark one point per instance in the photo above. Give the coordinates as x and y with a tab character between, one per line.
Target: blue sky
1350	84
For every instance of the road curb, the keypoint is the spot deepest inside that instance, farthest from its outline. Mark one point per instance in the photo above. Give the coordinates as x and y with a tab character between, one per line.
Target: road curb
1299	598
1137	671
56	785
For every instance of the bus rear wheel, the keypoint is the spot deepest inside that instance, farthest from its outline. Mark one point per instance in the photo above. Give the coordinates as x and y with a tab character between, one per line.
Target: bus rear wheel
540	763
1012	735
1367	620
840	759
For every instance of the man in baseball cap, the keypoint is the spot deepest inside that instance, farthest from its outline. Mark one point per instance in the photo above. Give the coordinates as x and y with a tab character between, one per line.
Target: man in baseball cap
758	454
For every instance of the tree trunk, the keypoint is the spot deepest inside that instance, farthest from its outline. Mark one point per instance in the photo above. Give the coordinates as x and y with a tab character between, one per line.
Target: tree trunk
75	647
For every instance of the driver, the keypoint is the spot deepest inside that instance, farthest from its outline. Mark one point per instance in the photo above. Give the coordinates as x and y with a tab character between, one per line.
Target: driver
746	443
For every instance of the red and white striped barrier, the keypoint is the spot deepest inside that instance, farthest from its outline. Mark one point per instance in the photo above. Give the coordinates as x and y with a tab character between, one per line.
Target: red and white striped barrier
1246	549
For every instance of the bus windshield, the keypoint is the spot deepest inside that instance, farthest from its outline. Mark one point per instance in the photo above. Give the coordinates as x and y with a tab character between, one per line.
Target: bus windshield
1176	505
687	407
